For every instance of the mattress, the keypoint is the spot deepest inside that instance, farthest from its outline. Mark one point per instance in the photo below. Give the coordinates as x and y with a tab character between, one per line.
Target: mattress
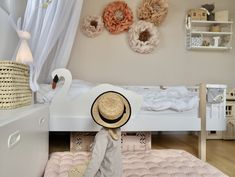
151	163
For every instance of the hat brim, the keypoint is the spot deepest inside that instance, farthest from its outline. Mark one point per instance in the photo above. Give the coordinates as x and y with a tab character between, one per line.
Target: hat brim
122	121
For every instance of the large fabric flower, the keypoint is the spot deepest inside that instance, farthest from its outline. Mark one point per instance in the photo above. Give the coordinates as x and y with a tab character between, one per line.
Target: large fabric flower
153	11
92	26
143	37
117	17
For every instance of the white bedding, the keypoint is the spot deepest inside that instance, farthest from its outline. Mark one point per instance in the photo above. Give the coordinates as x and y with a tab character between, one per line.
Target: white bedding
177	98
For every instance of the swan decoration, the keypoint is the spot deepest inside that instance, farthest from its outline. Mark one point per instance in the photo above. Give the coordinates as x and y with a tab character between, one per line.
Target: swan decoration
79	107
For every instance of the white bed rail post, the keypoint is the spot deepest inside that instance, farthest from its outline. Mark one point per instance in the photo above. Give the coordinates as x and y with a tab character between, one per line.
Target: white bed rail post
202	115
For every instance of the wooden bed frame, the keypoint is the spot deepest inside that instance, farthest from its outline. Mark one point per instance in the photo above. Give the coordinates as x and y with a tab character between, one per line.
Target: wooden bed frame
74	115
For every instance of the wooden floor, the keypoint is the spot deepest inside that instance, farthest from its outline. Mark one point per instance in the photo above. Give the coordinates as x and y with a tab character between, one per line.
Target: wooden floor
220	153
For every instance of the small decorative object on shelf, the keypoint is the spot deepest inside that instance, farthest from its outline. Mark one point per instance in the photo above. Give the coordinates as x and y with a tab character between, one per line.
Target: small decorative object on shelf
215	28
197	41
153	11
206	41
92	26
143	37
198	14
210	14
221	15
216	41
117	17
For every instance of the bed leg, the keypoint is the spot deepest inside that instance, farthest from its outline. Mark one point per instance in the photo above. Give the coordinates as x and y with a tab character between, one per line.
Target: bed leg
202	115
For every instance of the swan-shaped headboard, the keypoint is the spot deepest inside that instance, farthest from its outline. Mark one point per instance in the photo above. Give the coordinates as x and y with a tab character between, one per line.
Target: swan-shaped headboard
80	106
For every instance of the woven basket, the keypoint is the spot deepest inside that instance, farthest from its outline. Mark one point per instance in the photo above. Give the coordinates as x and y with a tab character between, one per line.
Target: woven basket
14	85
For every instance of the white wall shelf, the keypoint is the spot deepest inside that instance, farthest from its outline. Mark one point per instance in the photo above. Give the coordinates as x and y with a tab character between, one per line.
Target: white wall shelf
211	33
211	22
209	48
200	37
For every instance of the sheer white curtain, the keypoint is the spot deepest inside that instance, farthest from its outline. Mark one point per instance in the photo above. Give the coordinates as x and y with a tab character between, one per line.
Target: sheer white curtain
53	31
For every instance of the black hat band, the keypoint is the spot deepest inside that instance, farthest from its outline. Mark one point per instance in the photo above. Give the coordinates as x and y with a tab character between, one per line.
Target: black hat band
115	120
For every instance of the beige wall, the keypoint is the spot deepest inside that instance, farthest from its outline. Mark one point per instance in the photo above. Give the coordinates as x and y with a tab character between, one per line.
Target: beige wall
108	58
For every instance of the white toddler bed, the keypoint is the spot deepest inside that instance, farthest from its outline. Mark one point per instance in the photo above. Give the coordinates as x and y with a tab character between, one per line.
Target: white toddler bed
151	110
73	114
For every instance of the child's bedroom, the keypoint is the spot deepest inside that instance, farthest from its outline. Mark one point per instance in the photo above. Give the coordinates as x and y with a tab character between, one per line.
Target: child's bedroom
117	88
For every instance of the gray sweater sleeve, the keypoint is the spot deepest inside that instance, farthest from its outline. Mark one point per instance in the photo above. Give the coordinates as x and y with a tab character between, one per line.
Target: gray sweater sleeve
98	153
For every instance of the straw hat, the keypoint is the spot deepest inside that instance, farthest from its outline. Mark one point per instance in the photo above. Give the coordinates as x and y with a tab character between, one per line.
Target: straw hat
111	110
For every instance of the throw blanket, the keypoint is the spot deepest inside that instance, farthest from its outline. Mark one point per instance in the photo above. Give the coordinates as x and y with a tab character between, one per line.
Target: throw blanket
175	98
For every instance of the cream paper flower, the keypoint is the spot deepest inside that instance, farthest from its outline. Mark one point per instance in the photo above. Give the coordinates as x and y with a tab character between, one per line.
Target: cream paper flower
92	26
153	11
143	37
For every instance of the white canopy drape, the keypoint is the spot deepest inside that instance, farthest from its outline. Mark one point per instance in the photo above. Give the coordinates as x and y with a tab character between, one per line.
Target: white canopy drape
53	31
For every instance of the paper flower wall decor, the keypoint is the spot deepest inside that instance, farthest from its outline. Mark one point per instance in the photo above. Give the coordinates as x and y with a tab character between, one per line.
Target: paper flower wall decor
117	17
92	26
143	37
153	11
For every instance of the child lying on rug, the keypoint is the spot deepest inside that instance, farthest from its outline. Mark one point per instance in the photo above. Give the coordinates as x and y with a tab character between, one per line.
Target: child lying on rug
110	110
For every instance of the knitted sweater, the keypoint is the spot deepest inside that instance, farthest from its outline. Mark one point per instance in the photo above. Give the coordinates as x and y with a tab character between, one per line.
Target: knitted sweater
106	159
